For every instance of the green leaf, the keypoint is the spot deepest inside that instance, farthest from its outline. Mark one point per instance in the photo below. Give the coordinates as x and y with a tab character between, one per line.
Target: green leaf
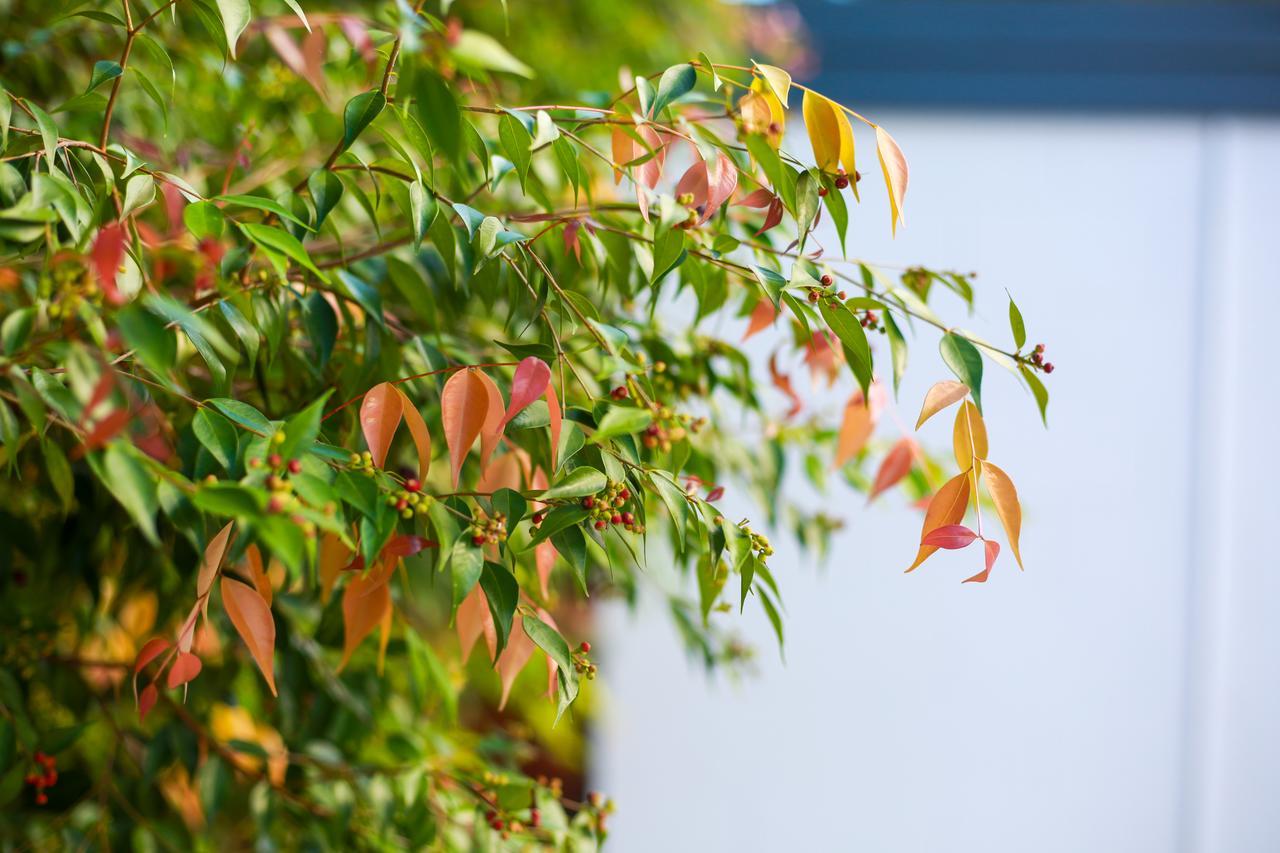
359	113
218	436
266	204
965	362
16	329
621	420
807	201
300	431
1016	325
322	326
244	414
326	192
139	191
578	484
549	640
204	220
706	63
516	144
228	500
465	563
48	133
502	592
572	545
423	207
276	240
480	50
676	82
771	281
846	327
668	250
127	478
60	475
897	349
510	503
1038	391
235	19
558	519
103	70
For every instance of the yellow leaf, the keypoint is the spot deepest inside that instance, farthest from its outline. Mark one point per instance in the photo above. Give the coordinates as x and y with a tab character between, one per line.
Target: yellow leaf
779	81
947	507
829	134
969	438
941	395
763	113
894	165
1005	497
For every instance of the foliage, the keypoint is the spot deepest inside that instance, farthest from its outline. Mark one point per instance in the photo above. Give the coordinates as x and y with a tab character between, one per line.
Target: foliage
332	334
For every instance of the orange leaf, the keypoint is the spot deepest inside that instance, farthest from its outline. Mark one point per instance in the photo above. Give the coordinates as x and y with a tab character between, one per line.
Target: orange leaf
544	555
855	429
505	472
895	466
257	574
941	395
782	382
1005	497
185	667
553	411
947	507
251	615
992	549
722	180
530	382
491	431
969	438
762	316
418	430
384	638
379	418
464	402
473	619
214	553
147	701
894	165
514	657
365	602
334	554
623	152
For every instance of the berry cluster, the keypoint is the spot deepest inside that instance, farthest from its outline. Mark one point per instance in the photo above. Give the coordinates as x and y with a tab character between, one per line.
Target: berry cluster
47	776
608	507
1037	358
277	482
815	293
620	393
70	284
582	664
871	321
491	530
842	180
668	427
409	500
363	462
759	542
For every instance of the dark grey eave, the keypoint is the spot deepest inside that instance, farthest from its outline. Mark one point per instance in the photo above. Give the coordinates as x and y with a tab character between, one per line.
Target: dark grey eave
1122	55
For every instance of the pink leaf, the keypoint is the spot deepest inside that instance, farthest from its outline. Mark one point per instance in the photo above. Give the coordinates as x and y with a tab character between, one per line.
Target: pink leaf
894	467
760	199
147	701
186	667
530	382
722	180
950	536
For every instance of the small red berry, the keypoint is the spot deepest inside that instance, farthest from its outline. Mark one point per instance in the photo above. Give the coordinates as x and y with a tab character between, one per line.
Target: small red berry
1039	348
412	485
537	519
841	295
822	192
478	539
588	503
41	799
1048	367
274	460
32	779
275	504
615	518
586	647
841	182
402	504
813	296
600	525
295	466
625	494
827	280
535	818
628	518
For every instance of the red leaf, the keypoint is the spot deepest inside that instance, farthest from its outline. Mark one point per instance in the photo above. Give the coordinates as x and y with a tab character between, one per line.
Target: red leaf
106	429
894	467
406	546
147	701
950	536
464	403
992	549
715	494
150	650
380	415
530	382
185	667
251	616
772	217
108	253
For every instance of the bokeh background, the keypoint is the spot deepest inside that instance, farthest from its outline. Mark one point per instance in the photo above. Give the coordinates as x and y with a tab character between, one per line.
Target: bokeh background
1116	166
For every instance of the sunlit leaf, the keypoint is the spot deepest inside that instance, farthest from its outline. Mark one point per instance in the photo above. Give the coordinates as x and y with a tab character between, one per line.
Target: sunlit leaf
946	507
464	405
894	166
1005	497
938	397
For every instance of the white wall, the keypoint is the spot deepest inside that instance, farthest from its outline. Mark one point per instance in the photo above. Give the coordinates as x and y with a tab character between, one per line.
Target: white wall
1121	694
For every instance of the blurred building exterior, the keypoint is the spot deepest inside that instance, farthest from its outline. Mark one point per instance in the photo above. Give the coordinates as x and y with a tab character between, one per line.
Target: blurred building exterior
1116	167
